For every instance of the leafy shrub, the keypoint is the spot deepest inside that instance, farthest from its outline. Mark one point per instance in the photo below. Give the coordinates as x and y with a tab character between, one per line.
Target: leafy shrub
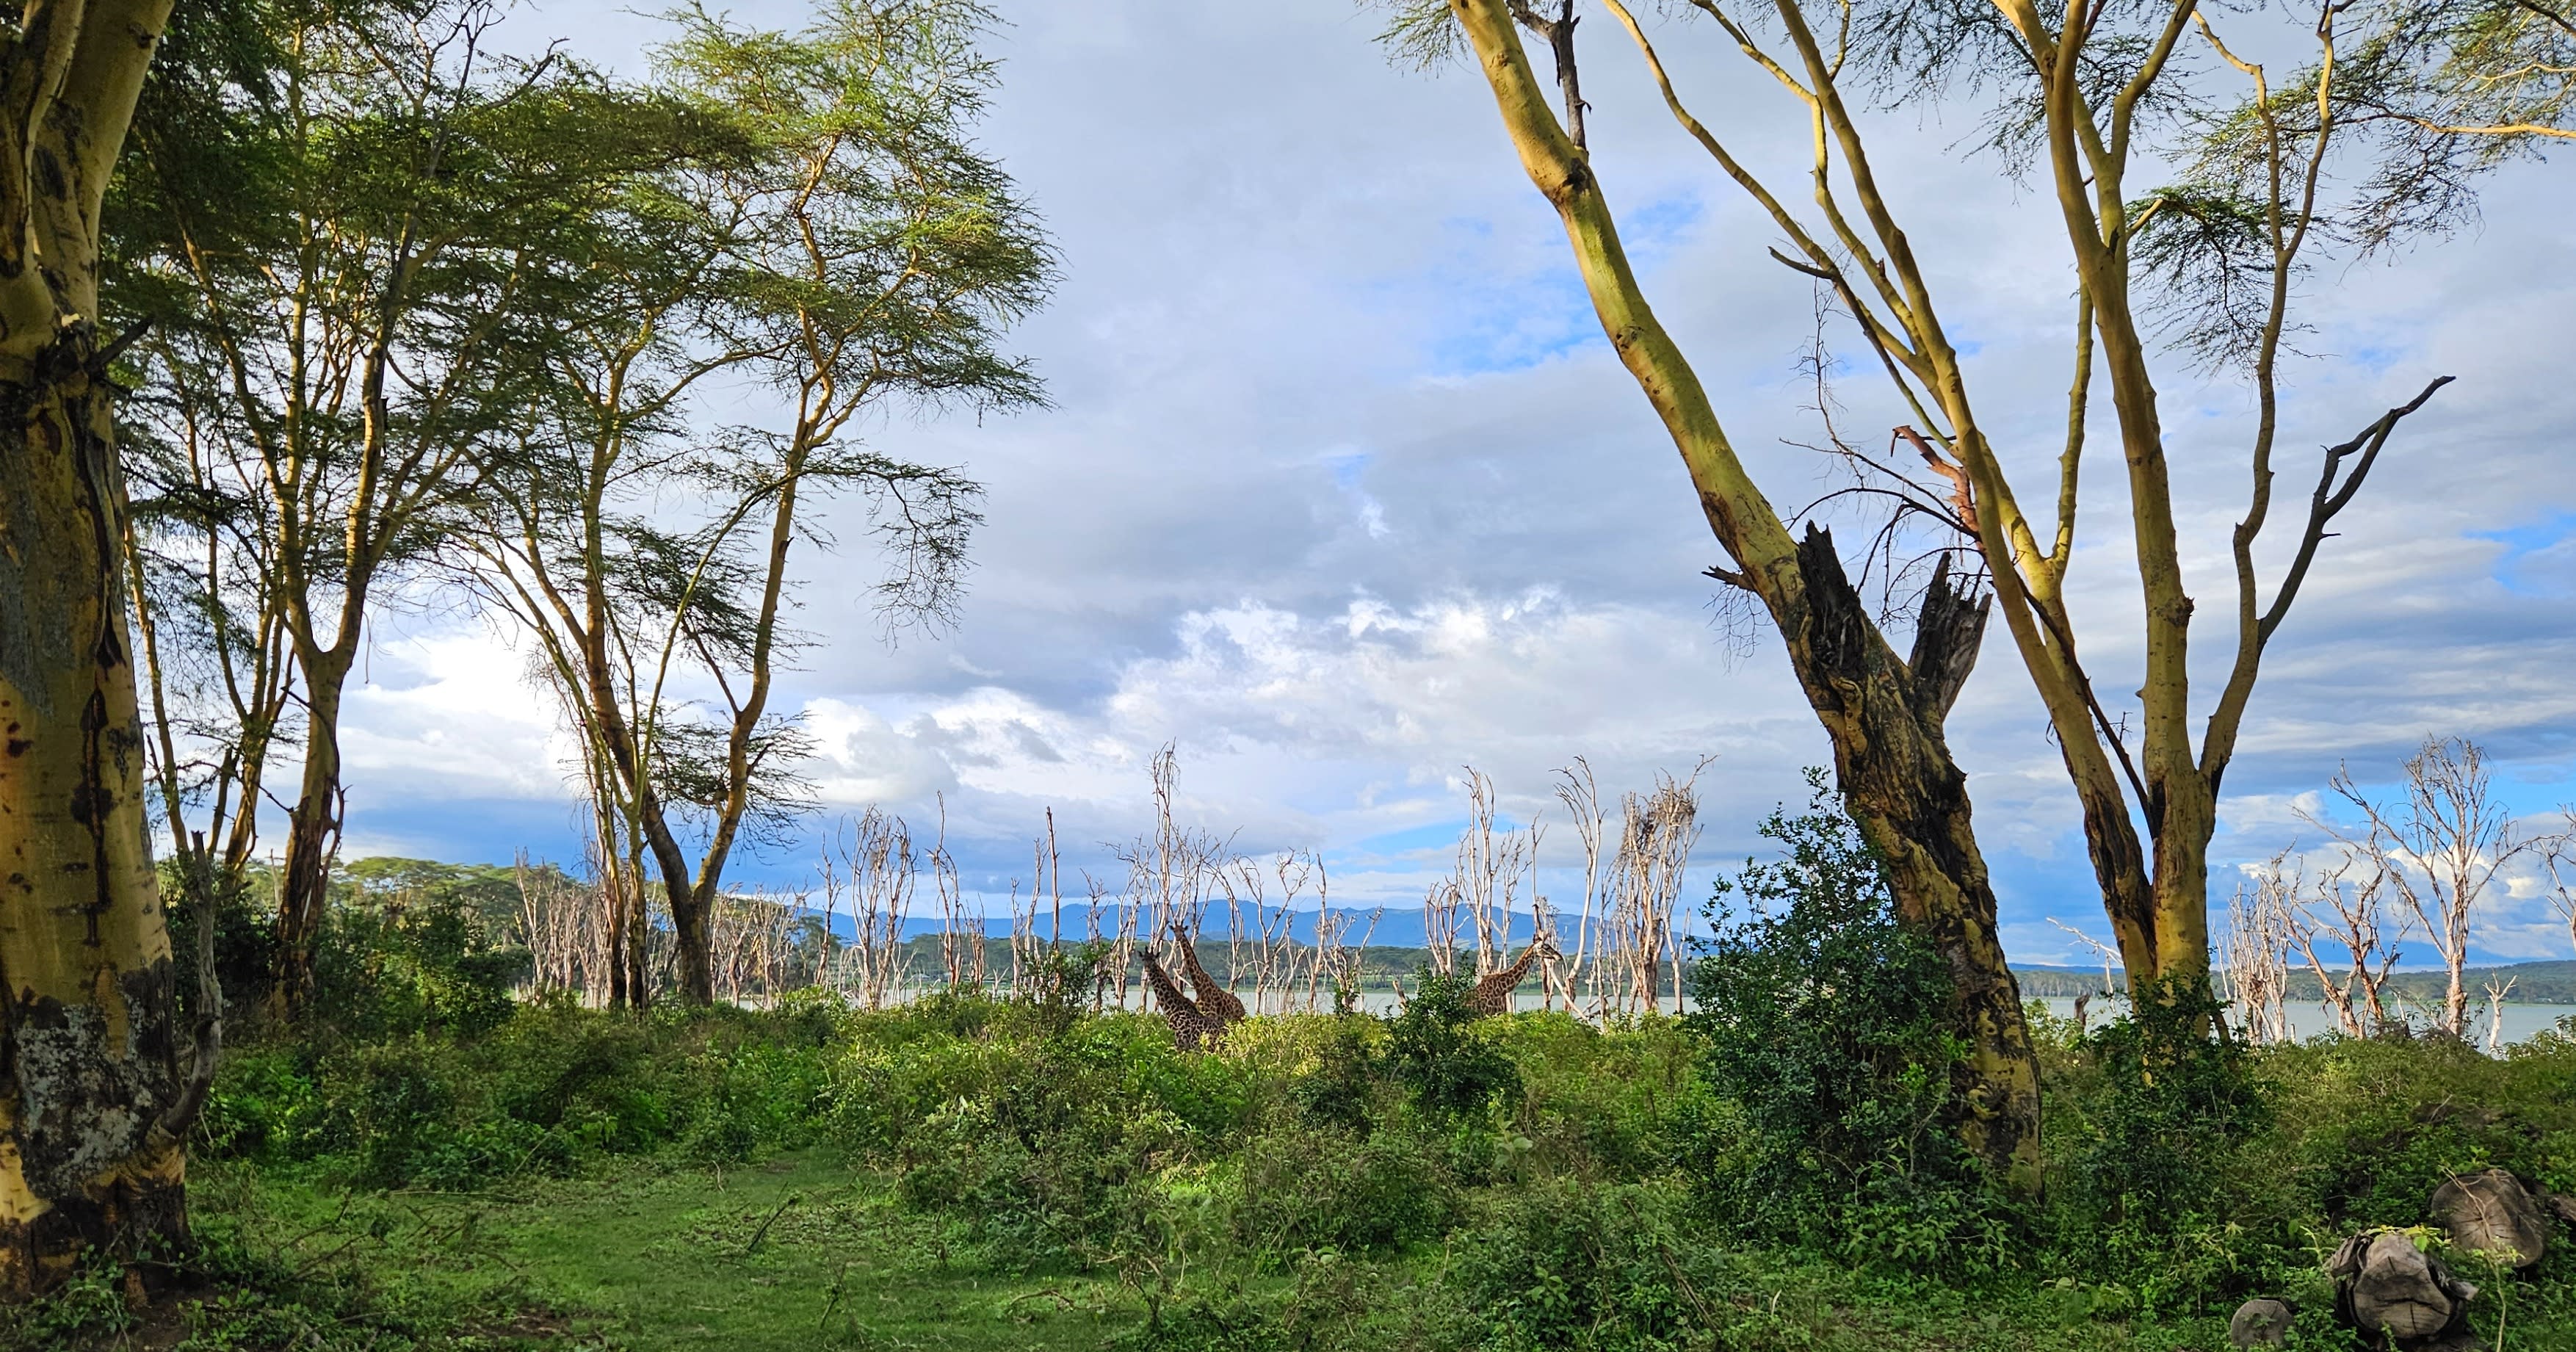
2178	1095
541	1092
245	941
1605	1104
1435	1053
87	1310
1341	1088
428	967
1045	1145
1569	1266
1301	1188
1820	1023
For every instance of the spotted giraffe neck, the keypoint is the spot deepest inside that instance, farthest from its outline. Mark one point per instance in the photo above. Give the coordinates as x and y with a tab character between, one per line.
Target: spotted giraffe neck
1165	991
1213	999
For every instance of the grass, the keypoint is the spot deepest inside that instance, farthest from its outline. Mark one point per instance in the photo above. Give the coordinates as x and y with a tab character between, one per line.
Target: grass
802	1251
795	1252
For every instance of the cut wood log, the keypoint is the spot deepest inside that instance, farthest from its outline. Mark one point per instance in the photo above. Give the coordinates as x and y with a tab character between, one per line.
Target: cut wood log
2386	1286
2491	1212
2259	1323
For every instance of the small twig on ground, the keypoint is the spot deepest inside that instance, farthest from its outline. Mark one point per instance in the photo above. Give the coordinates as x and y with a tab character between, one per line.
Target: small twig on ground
763	1232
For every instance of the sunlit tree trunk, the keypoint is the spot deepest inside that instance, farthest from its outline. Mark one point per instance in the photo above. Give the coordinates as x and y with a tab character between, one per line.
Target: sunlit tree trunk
90	1065
312	836
91	1105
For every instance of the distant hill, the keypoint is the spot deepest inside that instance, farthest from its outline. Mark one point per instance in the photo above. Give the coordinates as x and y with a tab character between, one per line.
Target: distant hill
2534	983
1396	926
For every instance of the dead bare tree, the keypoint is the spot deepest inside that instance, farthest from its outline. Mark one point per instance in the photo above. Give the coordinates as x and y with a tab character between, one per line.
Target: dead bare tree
1582	798
1656	836
2438	849
1492	865
2495	1012
1169	873
2560	859
567	930
961	931
2355	901
872	869
2254	949
1441	908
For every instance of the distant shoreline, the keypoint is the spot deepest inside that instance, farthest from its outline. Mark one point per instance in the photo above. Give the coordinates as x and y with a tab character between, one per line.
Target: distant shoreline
2543	982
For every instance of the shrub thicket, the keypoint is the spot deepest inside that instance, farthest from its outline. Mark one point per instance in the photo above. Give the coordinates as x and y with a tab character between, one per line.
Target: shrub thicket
1821	1031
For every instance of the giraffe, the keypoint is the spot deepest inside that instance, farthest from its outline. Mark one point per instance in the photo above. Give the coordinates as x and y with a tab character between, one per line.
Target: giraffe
1493	993
1213	1000
1189	1026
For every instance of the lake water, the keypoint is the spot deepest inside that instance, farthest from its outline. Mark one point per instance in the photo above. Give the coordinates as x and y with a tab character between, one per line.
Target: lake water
2306	1021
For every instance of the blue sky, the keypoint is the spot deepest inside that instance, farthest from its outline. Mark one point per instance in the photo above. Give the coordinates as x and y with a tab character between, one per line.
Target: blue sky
1341	492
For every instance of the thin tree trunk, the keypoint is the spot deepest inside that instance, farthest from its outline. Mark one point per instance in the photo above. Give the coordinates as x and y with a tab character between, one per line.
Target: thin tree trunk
312	837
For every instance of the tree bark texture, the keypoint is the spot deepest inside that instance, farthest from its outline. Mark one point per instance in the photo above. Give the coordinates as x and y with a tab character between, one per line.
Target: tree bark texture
1883	714
89	1155
85	972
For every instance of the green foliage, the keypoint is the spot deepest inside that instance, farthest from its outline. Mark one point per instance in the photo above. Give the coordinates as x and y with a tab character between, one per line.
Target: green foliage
1341	1088
245	938
1820	1024
1568	1266
1289	1191
2153	1183
425	963
2178	1094
88	1309
1067	978
1434	1051
1601	1104
1300	1189
1422	1181
541	1093
1043	1143
2369	1127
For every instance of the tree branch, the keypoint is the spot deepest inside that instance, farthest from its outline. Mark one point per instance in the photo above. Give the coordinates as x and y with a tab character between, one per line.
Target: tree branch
2330	500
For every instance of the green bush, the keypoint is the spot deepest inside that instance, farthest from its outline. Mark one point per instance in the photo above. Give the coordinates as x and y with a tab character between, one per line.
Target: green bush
2179	1095
1434	1051
1608	1105
1569	1266
427	968
1046	1145
540	1093
1820	1022
1302	1189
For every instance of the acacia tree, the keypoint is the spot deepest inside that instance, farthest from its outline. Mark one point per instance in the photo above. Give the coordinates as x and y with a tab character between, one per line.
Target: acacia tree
201	546
2211	261
855	254
1884	713
92	1107
350	326
567	543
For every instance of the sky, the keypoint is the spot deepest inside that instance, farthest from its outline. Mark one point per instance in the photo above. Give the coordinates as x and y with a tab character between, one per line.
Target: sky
1340	491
